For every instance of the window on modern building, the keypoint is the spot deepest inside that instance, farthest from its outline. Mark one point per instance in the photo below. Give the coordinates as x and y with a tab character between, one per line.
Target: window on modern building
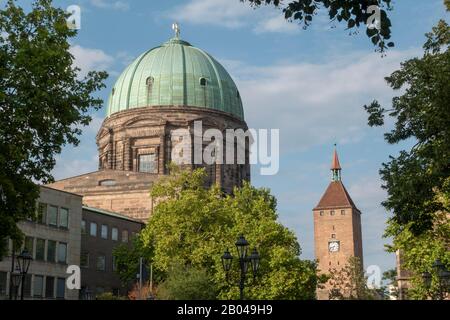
148	163
53	216
124	235
27	287
51	251
84	260
62	252
64	218
3	276
114	263
40	249
101	263
99	290
38	286
83	226
41	215
321	213
343	212
104	231
332	213
49	287
93	229
60	288
29	245
114	234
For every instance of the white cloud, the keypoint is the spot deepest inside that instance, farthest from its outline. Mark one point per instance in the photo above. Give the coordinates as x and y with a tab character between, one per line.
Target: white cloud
276	24
235	14
315	103
90	59
231	14
107	4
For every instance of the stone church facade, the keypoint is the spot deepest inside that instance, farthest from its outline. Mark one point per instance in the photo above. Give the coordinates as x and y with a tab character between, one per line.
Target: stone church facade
167	88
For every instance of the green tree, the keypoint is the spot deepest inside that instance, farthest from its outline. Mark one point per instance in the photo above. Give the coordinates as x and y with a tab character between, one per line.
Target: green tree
419	252
187	283
421	114
349	282
127	259
43	104
192	226
354	13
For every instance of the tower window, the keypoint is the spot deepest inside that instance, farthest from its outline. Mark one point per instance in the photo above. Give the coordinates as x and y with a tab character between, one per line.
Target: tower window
148	163
333	236
203	82
321	213
343	212
332	213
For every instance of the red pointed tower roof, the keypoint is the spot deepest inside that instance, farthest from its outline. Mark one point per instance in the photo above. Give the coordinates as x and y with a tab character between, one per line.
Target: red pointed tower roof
335	165
336	196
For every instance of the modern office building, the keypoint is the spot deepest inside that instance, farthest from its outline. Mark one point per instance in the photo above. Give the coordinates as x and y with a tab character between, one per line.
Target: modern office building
101	232
54	241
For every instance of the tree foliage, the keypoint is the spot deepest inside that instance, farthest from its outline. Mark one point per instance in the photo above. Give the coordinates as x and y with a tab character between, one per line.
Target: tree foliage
43	104
187	283
349	282
127	259
419	252
354	13
191	226
421	114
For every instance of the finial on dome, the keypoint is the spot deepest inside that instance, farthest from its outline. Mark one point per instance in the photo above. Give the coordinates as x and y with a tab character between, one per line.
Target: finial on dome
176	29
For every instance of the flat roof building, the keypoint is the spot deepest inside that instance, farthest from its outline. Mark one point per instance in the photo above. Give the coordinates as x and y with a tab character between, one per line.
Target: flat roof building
54	241
101	232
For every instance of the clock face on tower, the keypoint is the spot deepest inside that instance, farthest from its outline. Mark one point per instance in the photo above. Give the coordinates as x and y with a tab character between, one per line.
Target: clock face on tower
333	246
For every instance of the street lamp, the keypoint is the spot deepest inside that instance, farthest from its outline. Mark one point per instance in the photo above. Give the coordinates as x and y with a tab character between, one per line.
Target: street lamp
244	262
15	282
443	276
23	262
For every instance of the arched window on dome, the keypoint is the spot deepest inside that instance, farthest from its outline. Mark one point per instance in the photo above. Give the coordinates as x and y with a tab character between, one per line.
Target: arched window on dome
238	95
203	82
149	84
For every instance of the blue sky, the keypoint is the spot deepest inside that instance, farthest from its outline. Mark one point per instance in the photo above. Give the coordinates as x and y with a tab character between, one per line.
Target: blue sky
311	84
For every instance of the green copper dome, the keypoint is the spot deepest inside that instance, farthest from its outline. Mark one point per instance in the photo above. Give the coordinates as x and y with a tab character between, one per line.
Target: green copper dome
176	74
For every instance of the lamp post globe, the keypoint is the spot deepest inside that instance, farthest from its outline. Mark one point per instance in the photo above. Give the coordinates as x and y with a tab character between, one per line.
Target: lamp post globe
254	259
242	247
23	261
227	259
